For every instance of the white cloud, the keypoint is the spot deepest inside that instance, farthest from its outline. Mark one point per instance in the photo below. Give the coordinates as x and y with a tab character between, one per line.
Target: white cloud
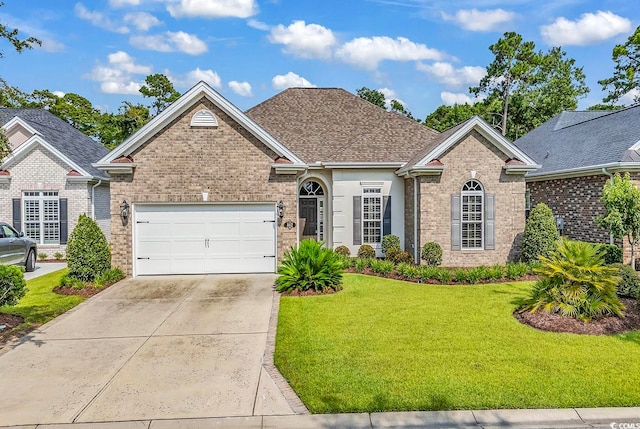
589	29
258	25
290	80
302	40
121	3
389	95
479	20
99	19
119	75
241	88
51	45
213	8
630	97
450	98
194	76
446	74
170	42
143	21
58	94
368	52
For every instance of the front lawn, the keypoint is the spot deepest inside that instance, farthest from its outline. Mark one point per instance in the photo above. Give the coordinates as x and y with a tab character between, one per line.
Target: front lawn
382	345
41	304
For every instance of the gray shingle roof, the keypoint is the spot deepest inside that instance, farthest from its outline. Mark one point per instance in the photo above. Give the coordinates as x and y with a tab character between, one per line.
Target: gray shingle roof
78	147
333	125
583	139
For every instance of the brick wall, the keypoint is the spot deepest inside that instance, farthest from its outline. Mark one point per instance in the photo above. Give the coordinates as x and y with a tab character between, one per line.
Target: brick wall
577	200
38	170
475	153
409	238
180	162
102	208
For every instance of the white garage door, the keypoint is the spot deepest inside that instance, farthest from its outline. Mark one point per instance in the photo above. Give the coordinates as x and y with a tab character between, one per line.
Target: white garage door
207	238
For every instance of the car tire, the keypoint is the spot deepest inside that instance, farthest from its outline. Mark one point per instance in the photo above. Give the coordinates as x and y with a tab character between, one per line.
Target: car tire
30	264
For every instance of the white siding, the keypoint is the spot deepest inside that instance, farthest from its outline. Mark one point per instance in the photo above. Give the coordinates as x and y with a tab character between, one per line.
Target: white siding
102	208
346	185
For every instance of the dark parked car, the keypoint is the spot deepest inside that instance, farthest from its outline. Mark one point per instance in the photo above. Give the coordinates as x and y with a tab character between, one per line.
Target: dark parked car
16	249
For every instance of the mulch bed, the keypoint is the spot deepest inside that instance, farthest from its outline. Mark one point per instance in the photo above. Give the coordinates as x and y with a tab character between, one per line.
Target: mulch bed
608	325
308	292
86	291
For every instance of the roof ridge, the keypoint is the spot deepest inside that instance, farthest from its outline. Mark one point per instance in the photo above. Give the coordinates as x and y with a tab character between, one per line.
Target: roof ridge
610	113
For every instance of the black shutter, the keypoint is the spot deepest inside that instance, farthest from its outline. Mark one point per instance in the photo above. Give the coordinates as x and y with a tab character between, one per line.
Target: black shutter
357	219
386	217
456	239
17	214
489	222
64	224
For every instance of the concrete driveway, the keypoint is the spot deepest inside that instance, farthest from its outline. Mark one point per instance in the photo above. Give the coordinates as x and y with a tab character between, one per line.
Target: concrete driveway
148	348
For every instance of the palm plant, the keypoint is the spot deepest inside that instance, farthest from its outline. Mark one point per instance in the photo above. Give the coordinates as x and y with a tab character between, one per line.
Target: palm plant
310	266
575	282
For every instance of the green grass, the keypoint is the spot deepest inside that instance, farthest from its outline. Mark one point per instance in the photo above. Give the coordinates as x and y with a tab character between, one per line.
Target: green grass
41	304
383	345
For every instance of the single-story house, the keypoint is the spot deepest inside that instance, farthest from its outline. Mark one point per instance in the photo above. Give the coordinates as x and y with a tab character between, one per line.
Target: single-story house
206	188
579	152
48	180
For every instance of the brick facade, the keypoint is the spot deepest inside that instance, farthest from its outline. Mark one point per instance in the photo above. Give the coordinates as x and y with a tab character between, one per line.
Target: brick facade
179	162
409	204
473	153
39	170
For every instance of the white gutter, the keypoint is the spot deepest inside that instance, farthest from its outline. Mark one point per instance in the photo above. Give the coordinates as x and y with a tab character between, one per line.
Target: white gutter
606	173
583	171
415	220
93	199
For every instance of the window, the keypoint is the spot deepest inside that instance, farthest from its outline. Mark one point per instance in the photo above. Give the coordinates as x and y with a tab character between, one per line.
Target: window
472	215
371	215
527	202
41	210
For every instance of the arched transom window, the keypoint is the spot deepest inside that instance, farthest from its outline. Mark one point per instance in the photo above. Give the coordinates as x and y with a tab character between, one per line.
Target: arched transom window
311	189
472	212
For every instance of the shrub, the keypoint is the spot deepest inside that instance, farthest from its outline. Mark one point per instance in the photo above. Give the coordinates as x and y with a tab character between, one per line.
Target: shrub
629	284
343	250
390	241
109	277
540	234
360	264
70	281
515	270
443	275
495	272
398	256
476	274
12	284
408	271
428	272
367	252
346	261
391	253
381	267
432	254
460	275
310	266
88	253
42	256
575	283
58	255
612	254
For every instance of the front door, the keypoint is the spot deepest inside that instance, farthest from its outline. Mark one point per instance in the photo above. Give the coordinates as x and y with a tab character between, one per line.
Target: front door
309	218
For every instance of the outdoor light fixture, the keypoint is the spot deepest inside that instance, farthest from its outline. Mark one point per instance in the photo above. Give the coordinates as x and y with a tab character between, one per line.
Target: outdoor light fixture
559	223
280	209
124	212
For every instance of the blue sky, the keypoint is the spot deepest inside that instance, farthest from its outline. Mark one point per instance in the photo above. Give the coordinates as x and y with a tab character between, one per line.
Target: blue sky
422	52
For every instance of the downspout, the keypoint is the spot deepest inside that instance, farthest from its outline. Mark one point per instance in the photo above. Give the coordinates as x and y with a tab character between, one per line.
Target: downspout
606	173
415	220
93	199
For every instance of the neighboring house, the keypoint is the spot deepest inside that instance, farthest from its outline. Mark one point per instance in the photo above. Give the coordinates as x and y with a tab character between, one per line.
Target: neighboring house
48	181
579	152
206	188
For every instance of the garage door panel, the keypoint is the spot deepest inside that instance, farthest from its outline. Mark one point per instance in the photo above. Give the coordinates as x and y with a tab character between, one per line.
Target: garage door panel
196	239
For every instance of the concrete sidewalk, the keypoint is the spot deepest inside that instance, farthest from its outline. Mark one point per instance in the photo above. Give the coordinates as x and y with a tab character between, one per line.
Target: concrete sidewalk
616	418
43	268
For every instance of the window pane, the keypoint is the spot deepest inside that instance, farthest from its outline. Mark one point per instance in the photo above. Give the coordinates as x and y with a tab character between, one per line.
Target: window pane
31	211
51	233
371	215
32	230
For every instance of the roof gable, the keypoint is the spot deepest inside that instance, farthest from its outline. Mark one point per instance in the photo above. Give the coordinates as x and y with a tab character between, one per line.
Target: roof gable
69	144
186	101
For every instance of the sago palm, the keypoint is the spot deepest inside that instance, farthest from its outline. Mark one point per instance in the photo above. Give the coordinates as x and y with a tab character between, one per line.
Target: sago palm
575	282
310	266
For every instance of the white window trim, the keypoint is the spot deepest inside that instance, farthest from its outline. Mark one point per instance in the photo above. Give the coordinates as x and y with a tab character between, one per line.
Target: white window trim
376	192
482	216
41	197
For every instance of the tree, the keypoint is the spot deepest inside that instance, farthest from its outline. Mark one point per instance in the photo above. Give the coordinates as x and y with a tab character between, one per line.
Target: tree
525	88
12	36
88	252
377	98
445	117
160	88
621	200
112	129
605	106
5	148
625	77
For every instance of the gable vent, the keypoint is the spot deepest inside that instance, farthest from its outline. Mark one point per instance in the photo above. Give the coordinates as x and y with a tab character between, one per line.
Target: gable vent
204	118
